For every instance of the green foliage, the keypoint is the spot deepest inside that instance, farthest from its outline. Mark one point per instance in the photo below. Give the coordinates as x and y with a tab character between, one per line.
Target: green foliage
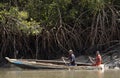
32	27
47	11
95	5
1	5
23	15
20	18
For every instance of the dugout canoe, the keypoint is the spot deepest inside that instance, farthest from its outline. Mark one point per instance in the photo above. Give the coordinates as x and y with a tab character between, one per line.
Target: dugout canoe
44	64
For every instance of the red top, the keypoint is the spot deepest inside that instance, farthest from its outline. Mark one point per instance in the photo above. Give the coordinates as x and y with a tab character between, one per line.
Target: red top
98	60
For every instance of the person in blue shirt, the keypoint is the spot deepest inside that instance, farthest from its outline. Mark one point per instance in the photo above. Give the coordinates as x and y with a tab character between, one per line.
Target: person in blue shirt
71	58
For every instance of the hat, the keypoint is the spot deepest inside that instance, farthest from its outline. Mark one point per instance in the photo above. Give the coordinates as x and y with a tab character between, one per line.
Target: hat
97	52
70	51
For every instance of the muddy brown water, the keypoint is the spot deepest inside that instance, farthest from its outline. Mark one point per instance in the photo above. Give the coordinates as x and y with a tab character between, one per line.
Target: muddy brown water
10	73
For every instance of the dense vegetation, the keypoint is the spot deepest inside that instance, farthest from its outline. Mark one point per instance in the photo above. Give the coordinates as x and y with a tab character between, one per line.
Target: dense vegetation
47	29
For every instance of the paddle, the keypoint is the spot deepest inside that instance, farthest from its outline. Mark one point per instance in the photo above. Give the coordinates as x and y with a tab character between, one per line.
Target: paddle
64	61
91	59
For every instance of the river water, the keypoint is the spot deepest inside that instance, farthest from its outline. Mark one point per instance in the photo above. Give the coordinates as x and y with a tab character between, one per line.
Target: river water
5	73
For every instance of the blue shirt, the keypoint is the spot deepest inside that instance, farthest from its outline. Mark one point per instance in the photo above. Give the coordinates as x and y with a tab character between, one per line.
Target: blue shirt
72	59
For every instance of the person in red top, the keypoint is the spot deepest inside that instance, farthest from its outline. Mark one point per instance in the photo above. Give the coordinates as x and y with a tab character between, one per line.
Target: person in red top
98	60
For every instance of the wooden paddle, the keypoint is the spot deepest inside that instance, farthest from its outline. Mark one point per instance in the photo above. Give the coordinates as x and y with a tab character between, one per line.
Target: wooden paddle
91	59
64	61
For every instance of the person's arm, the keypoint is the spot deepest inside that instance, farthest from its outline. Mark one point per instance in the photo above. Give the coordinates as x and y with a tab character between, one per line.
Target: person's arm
92	60
73	58
65	58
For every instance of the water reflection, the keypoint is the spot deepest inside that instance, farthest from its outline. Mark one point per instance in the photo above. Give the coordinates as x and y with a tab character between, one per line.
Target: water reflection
100	74
58	74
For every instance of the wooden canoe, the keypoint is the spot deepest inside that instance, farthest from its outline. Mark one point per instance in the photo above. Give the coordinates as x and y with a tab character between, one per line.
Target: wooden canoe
47	65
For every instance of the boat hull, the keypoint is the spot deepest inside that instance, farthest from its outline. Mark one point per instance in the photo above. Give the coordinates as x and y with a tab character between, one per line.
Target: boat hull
25	64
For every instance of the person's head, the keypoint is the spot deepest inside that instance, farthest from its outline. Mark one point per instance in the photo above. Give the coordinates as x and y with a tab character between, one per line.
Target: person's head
70	52
97	52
